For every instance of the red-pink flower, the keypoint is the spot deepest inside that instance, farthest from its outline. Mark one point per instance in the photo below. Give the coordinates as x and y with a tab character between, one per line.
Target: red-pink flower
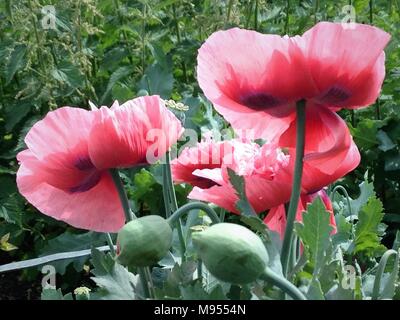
254	80
267	170
64	171
276	217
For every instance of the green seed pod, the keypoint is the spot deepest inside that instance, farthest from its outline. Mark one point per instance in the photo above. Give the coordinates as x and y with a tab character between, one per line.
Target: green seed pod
144	241
232	253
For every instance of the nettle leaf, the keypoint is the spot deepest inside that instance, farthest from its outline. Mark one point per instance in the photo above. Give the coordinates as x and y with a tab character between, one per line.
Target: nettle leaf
367	230
114	280
72	242
55	294
68	73
16	113
238	184
315	231
157	80
16	62
365	133
116	76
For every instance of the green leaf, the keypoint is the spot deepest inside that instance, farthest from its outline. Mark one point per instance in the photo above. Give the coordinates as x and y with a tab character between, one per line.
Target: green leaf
366	191
116	76
66	72
238	183
315	231
389	285
16	62
16	113
115	281
157	80
53	294
194	291
72	242
367	239
385	143
365	133
315	291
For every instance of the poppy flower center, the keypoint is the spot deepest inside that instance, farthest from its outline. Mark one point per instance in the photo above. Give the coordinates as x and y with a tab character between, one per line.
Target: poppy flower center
334	95
259	101
92	177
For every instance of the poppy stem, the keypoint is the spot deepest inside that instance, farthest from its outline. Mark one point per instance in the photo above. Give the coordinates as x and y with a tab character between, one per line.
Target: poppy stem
174	204
190	206
283	284
110	244
129	215
295	196
381	270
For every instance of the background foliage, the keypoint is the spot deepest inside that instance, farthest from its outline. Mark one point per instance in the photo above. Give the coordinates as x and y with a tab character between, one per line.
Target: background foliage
105	50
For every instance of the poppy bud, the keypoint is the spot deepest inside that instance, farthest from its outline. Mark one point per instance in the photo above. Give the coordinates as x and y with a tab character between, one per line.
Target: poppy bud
143	241
232	253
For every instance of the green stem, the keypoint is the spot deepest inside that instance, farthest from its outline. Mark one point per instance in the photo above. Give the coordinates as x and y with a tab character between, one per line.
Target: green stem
316	11
110	244
178	37
174	204
343	189
199	269
287	17
296	189
283	284
190	206
256	15
165	192
129	215
143	37
143	280
221	214
380	271
228	13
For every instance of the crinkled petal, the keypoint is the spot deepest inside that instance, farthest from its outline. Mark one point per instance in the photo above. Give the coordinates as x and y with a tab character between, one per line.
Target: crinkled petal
139	131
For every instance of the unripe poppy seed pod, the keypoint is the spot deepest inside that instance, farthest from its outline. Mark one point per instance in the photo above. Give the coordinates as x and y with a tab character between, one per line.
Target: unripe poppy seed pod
232	253
144	241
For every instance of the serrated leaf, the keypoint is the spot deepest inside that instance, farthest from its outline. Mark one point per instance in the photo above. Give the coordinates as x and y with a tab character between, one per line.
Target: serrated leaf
16	62
315	231
114	280
366	191
68	73
157	80
365	133
367	239
116	76
5	245
238	183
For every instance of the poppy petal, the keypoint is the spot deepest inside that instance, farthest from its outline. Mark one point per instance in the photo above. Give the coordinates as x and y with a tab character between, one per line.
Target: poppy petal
96	209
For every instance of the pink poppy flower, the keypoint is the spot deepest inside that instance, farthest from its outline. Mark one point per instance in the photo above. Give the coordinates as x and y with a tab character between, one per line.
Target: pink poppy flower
268	171
276	217
254	80
64	171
